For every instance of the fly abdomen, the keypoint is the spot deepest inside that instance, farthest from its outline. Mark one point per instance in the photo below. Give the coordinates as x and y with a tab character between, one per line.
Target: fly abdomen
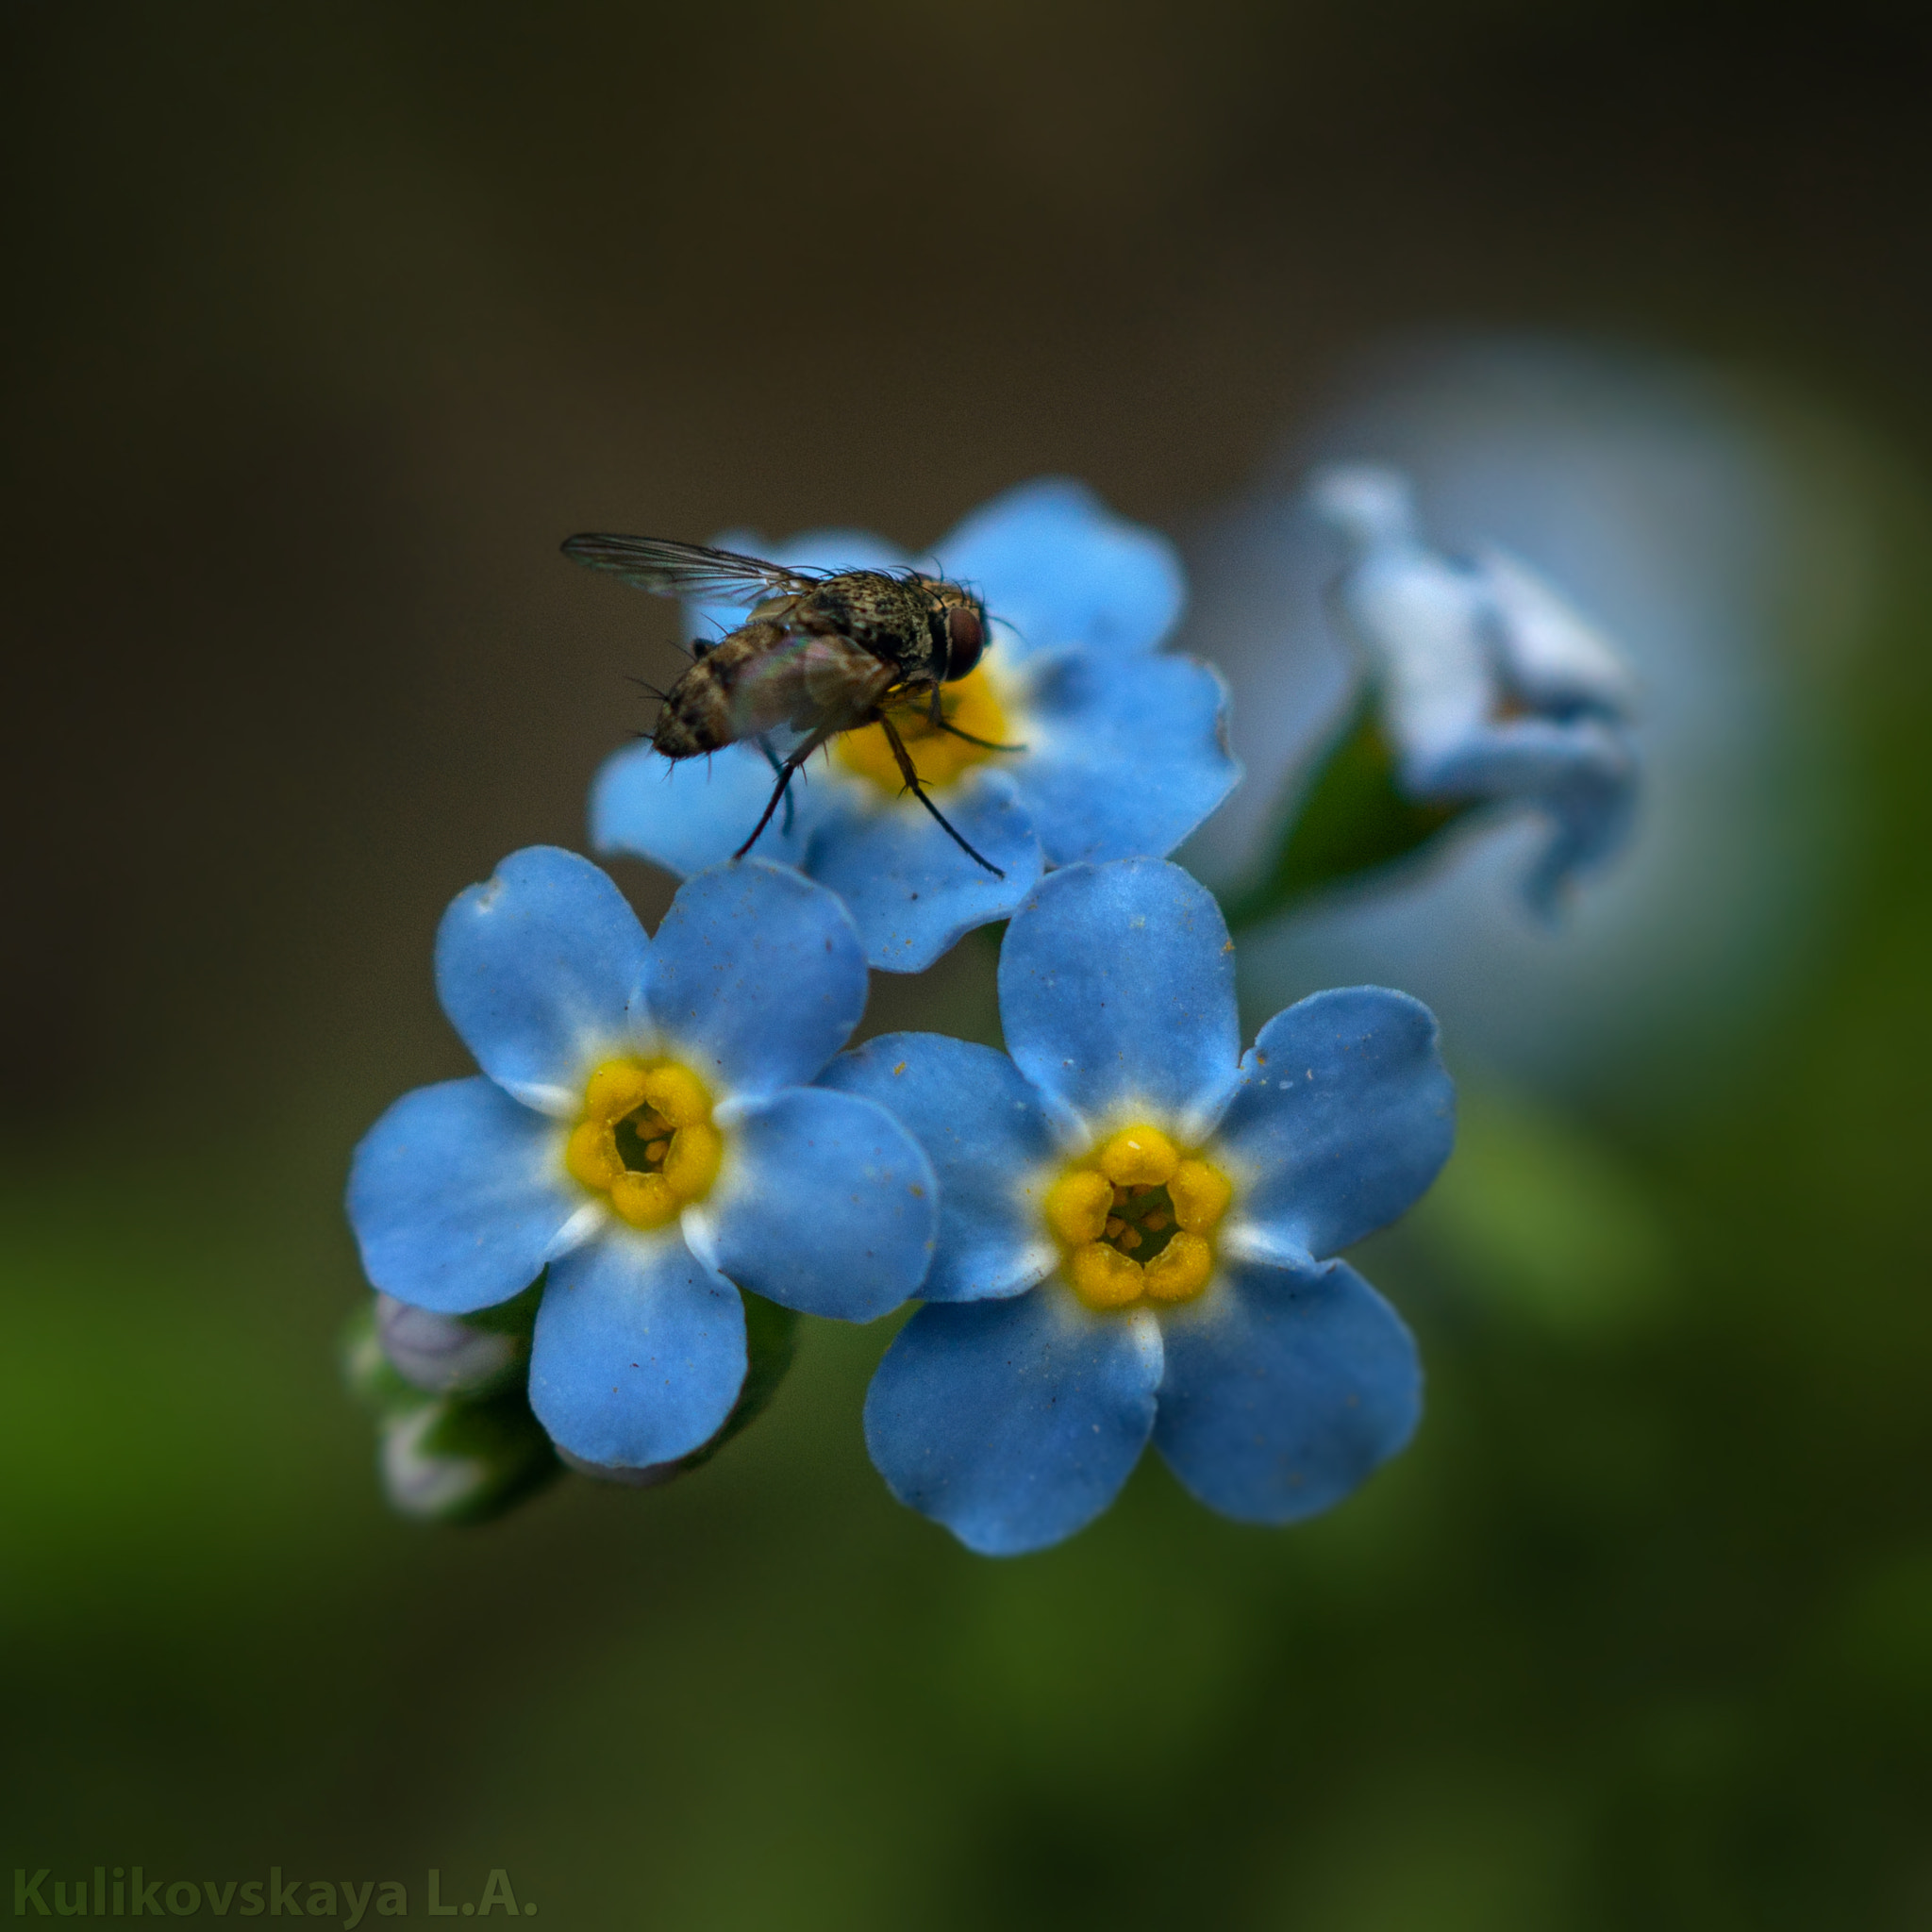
696	717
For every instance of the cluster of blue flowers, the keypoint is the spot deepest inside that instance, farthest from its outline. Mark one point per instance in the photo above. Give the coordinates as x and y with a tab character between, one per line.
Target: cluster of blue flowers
592	1253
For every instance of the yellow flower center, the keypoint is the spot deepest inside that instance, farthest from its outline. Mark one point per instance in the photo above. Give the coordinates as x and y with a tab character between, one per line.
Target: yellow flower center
938	757
1136	1217
646	1140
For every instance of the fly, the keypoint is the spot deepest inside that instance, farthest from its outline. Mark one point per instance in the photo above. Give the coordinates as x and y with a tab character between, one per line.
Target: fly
820	652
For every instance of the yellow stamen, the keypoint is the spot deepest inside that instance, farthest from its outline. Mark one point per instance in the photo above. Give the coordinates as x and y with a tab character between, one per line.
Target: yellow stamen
1138	1154
1200	1195
1136	1194
678	1094
645	1200
665	1111
591	1153
1180	1271
1104	1277
616	1089
937	755
1076	1206
692	1165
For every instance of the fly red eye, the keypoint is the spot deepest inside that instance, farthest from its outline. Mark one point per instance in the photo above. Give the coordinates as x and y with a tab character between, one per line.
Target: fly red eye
965	639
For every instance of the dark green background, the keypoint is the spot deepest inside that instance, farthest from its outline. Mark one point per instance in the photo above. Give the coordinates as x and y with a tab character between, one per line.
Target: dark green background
323	325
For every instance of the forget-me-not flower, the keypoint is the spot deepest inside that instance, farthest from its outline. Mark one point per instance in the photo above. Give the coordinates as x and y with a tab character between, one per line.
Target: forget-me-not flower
1489	685
1123	751
643	1131
1133	1222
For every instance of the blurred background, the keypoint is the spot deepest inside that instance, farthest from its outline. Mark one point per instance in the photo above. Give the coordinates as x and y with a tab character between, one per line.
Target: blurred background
330	323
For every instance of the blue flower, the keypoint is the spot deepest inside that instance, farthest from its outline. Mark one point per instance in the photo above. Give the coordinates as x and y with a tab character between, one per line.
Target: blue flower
1132	1222
643	1132
1124	749
1491	686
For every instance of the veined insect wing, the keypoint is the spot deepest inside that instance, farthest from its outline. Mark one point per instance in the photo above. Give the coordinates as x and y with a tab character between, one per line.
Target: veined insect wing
693	570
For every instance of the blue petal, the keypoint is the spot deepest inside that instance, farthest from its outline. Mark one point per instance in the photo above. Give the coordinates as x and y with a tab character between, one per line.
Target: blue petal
1284	1388
911	891
695	813
826	1205
1117	993
1582	772
1013	1423
1122	758
1344	1116
1521	758
987	1135
458	1196
1593	816
639	1351
756	978
1055	565
535	969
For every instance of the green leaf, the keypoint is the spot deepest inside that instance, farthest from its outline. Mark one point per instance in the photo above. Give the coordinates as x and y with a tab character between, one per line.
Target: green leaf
1352	822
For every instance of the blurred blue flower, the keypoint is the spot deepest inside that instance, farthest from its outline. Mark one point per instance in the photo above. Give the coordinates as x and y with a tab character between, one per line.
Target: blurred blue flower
643	1132
1488	685
1730	539
1132	1216
1124	750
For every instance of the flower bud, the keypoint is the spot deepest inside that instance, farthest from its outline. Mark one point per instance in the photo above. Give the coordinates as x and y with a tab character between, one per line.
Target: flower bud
442	1354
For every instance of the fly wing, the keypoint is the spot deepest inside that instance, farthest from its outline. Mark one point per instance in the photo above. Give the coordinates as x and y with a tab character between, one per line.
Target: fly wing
809	683
686	569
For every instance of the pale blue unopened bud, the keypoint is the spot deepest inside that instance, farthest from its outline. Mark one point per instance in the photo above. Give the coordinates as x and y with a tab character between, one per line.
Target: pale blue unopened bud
442	1355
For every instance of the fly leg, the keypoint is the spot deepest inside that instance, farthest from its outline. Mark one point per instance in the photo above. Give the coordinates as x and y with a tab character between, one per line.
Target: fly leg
779	790
936	717
904	759
946	724
764	744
